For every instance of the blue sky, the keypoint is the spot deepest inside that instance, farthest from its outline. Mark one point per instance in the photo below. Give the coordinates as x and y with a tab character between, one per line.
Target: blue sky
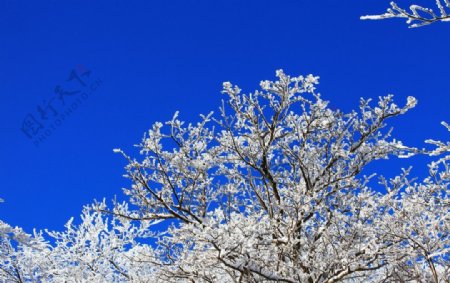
155	57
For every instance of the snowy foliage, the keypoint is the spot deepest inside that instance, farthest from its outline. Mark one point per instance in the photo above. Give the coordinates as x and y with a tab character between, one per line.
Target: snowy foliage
417	16
96	250
272	189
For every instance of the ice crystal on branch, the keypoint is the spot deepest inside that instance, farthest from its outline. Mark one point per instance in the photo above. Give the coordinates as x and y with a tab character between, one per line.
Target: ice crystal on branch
417	16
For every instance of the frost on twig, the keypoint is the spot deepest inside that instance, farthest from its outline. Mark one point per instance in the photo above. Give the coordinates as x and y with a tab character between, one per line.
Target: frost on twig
416	16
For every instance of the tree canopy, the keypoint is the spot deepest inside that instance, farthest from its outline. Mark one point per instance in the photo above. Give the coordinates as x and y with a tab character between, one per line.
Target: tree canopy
272	188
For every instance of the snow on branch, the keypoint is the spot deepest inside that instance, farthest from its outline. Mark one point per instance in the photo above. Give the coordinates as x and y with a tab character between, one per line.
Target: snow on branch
416	16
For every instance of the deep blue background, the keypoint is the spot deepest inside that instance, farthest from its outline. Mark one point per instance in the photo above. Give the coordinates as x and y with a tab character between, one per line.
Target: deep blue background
156	57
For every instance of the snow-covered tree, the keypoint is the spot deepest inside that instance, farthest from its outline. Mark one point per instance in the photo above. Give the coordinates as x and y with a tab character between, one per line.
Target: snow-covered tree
274	188
417	15
98	249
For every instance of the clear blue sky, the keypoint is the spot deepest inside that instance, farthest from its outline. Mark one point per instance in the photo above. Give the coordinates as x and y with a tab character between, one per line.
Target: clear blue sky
156	57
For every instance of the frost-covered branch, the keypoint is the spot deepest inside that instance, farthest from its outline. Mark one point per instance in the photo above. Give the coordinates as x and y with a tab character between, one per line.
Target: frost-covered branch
416	16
